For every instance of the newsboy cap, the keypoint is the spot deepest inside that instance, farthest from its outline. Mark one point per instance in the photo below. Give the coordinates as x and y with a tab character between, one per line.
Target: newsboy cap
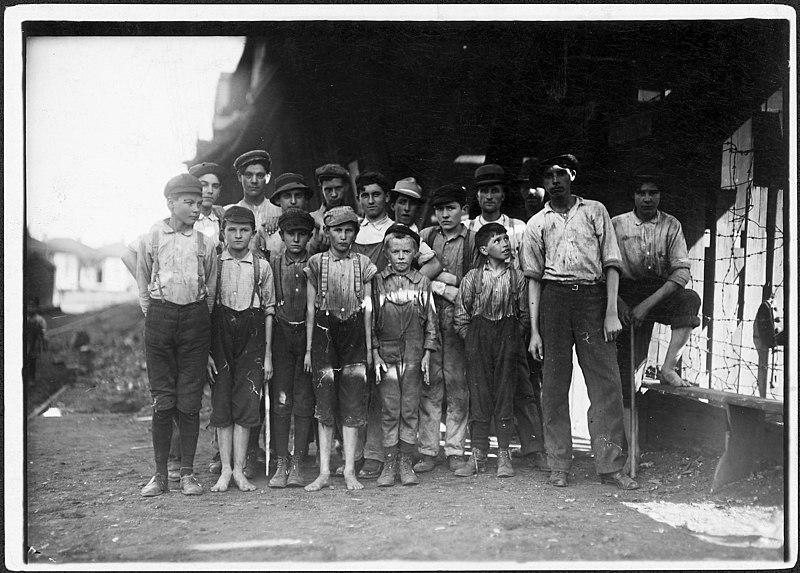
183	183
238	214
408	187
566	161
288	182
405	230
339	216
294	219
331	170
449	193
205	168
255	156
489	175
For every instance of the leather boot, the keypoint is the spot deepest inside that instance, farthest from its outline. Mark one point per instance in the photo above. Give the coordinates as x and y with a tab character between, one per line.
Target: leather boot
407	475
281	472
295	473
389	472
475	464
504	467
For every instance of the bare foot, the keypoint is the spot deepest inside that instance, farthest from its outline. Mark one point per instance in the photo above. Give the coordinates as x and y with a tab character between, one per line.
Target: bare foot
670	377
351	481
321	481
241	481
223	482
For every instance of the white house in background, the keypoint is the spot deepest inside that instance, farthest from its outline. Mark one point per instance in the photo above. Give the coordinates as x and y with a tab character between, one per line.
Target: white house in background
82	268
115	277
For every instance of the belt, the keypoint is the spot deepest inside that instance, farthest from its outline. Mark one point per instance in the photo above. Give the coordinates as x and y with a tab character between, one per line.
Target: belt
169	304
575	286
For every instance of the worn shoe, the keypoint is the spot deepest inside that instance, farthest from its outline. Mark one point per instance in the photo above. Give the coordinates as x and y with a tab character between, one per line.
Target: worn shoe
251	465
389	473
621	480
371	469
156	486
455	462
426	464
504	467
476	464
558	478
281	473
190	485
174	471
295	478
407	475
215	467
538	461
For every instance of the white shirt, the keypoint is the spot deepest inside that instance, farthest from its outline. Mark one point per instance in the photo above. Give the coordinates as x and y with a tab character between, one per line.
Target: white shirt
515	228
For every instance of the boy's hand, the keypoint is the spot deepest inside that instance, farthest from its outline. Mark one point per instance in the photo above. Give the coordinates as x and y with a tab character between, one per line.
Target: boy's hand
211	369
624	312
535	347
639	313
270	225
307	362
267	366
425	365
380	366
611	327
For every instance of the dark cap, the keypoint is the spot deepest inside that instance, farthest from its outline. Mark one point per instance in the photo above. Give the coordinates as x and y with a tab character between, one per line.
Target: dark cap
489	175
238	214
331	170
183	183
340	215
489	230
408	187
288	182
400	229
205	168
294	219
449	193
255	156
527	170
566	161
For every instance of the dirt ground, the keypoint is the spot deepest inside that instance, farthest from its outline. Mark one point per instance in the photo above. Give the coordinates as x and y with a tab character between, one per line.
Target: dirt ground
85	469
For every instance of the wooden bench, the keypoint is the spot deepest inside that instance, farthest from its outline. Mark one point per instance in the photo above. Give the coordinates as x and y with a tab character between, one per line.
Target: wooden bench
744	434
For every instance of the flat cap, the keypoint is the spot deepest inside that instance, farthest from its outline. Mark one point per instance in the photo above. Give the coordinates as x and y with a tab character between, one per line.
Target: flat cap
489	175
207	167
255	156
408	187
183	183
331	170
238	214
405	230
565	161
340	215
288	182
449	193
294	219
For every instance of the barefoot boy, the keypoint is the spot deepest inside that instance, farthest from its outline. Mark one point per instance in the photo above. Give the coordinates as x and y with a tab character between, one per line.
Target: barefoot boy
241	353
491	316
405	334
338	347
291	393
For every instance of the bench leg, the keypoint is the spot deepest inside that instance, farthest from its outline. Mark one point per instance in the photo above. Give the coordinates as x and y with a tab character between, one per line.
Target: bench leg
742	441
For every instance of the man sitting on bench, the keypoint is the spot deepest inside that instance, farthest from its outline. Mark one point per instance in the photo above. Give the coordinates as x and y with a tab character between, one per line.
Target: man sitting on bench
655	272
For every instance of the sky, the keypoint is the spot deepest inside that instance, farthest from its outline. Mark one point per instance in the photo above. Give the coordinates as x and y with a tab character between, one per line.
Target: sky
108	121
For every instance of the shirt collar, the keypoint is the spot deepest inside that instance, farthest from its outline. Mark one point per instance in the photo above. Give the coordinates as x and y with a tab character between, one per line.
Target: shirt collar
413	274
211	217
303	258
578	201
377	224
501	220
336	257
227	256
654	221
169	230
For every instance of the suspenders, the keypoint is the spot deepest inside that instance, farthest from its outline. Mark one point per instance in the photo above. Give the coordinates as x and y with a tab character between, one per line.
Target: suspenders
202	289
325	268
256	282
514	291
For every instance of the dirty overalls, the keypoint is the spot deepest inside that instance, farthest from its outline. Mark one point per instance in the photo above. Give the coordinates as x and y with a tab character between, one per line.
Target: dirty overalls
405	326
238	342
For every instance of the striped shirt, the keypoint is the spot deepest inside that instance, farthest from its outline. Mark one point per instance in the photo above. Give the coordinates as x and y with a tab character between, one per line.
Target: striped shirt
341	298
573	247
236	286
654	249
484	293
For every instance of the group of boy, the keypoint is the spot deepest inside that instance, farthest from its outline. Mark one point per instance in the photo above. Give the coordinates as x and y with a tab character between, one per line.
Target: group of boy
373	327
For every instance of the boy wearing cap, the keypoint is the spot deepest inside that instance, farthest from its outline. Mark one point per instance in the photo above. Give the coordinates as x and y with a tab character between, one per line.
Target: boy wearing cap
177	277
491	315
404	335
253	172
334	184
290	191
454	246
490	181
291	392
339	347
572	261
405	200
210	221
241	345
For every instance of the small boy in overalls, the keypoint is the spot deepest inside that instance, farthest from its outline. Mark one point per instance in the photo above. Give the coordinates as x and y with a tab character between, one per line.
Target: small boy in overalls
405	334
491	316
241	350
339	347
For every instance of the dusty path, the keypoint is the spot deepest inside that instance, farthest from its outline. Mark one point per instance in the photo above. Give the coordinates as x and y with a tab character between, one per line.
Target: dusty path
84	473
